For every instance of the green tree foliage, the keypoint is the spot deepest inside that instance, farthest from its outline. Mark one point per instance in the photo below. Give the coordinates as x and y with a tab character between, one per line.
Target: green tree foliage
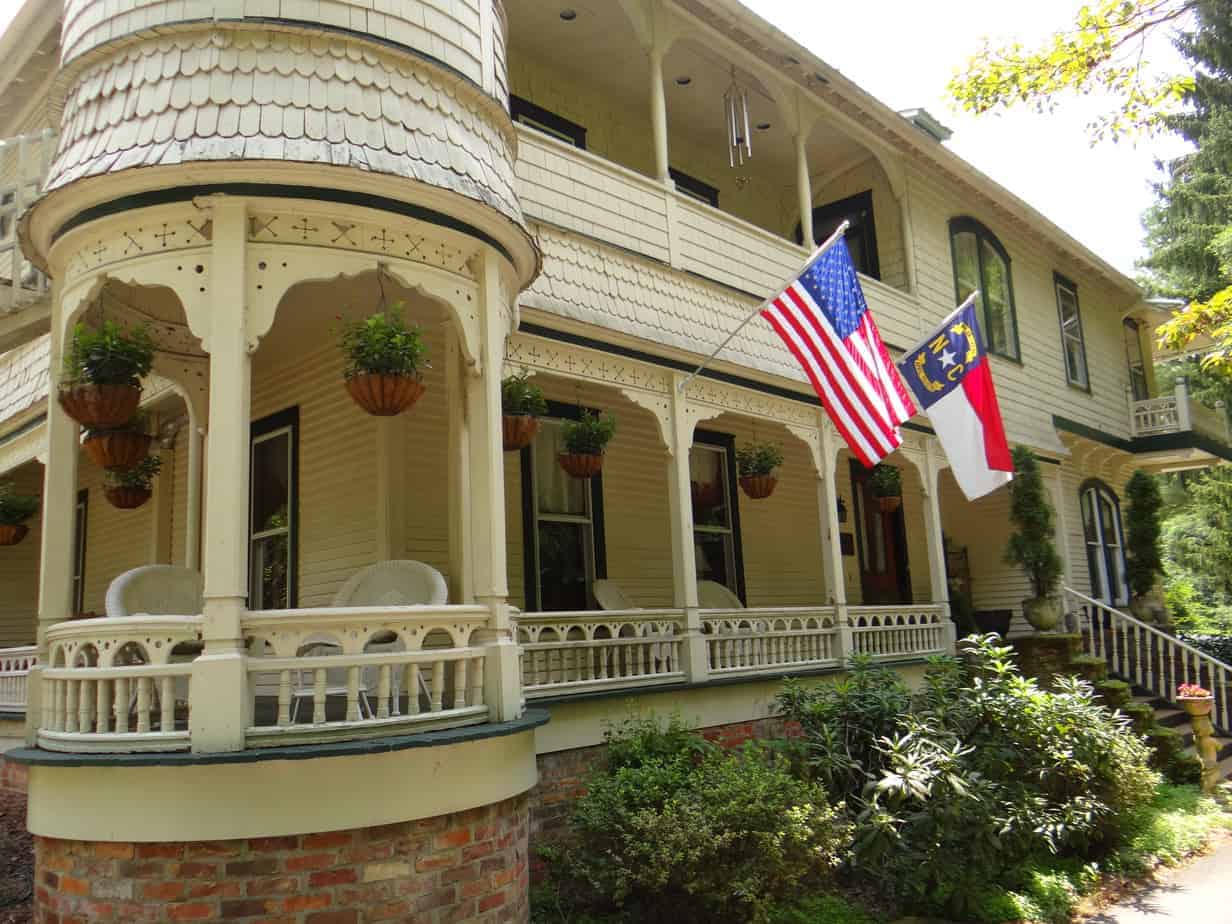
1143	532
1197	551
1031	546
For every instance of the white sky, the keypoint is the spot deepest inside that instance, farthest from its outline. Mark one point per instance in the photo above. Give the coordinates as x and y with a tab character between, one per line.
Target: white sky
904	52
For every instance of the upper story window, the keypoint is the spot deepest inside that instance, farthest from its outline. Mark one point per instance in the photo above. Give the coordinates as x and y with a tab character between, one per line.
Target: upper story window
1073	346
1133	356
274	511
980	262
694	188
861	233
546	121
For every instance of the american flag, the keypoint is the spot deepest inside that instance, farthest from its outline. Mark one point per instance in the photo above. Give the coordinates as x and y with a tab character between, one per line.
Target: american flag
825	322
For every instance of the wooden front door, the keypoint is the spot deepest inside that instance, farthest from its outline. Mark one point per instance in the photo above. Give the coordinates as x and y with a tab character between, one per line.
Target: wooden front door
882	544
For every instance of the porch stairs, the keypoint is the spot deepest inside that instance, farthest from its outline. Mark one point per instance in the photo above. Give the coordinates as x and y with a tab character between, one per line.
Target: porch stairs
1169	715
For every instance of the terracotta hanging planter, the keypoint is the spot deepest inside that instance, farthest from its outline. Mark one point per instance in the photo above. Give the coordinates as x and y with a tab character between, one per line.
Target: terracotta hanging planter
581	465
384	395
100	406
706	494
518	430
118	449
758	486
889	504
126	498
1196	706
11	534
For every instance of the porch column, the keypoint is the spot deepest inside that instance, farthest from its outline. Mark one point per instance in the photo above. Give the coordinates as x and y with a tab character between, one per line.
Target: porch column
831	544
939	588
658	109
59	515
461	589
192	516
804	186
489	579
684	551
218	692
1057	489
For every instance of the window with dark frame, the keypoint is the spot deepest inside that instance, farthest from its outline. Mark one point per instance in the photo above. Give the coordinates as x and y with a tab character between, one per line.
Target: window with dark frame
1073	346
563	543
694	188
716	512
1105	543
1133	357
861	233
980	262
544	120
274	512
80	522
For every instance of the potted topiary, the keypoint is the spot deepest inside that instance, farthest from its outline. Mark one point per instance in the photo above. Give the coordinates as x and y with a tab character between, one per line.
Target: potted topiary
128	488
585	440
101	385
1195	700
1143	560
756	463
1031	546
15	509
118	447
384	356
522	404
886	482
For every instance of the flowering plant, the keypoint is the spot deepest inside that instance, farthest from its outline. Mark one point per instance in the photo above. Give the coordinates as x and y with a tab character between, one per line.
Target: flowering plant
1192	691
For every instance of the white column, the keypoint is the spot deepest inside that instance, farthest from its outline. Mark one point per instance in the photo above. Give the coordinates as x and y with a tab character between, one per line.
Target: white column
461	588
939	588
658	111
489	579
804	186
192	516
1183	422
684	551
59	518
831	529
219	706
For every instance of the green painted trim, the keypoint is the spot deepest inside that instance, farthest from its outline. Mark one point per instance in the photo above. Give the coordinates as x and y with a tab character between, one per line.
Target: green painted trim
280	191
530	720
1160	442
1091	433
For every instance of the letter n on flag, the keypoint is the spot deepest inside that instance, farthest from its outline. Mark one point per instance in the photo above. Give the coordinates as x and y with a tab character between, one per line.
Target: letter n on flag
823	318
950	376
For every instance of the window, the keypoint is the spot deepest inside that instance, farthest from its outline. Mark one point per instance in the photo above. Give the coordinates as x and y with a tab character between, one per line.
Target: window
694	188
980	262
564	542
861	233
79	551
716	516
1072	345
546	121
1133	356
1101	527
274	512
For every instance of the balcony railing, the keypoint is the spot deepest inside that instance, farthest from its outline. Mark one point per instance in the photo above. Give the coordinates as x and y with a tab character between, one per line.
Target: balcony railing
1178	413
24	161
15	664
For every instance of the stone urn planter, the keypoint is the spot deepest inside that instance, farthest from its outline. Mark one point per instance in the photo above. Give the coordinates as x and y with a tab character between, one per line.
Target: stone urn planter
581	464
111	449
383	395
100	406
758	486
126	498
11	534
1043	613
1196	701
518	431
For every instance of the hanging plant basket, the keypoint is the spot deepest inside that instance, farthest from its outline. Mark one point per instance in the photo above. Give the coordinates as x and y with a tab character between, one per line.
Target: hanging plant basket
518	430
889	504
581	464
384	395
758	486
100	406
706	495
11	534
126	498
117	449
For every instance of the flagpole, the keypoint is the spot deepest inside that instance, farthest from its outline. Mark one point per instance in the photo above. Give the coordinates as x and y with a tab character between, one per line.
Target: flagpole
970	299
826	245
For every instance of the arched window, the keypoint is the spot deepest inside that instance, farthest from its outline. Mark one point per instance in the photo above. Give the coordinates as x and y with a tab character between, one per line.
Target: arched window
1105	541
980	262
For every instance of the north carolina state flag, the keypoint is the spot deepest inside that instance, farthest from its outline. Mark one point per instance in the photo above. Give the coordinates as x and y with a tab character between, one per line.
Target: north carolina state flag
950	377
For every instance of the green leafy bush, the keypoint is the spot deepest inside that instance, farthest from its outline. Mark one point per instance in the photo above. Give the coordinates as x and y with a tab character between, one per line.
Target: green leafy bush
821	909
886	481
15	508
382	344
1031	546
520	396
140	476
674	830
1217	646
108	355
758	458
589	434
1142	532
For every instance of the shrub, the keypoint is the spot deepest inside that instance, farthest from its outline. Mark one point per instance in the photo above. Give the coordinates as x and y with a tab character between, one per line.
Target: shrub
139	476
821	909
520	396
15	508
108	355
589	434
382	344
1031	546
1217	646
758	458
1142	532
673	830
886	481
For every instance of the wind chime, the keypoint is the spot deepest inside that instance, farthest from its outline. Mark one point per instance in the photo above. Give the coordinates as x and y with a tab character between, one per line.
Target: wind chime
736	109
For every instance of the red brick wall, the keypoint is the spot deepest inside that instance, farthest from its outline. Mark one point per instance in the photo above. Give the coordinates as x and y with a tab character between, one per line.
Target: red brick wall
13	777
469	866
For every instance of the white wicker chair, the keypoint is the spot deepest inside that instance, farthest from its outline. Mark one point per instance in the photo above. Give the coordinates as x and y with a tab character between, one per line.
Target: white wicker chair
712	595
155	590
611	596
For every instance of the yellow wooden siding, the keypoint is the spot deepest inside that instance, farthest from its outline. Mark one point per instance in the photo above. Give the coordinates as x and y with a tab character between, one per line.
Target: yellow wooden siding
19	568
179	497
887	216
116	540
982	527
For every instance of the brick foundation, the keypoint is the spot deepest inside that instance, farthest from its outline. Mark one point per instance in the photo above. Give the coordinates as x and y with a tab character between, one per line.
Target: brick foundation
13	777
469	866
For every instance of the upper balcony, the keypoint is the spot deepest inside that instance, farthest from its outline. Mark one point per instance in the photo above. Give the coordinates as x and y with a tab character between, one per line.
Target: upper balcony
24	303
1176	432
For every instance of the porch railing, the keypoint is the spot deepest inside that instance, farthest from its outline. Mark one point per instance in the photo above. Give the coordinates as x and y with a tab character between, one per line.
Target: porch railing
1149	658
15	664
889	632
754	641
24	161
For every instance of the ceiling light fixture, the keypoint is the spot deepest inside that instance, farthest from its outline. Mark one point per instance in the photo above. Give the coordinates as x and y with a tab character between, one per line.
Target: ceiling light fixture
736	109
569	14
683	80
763	126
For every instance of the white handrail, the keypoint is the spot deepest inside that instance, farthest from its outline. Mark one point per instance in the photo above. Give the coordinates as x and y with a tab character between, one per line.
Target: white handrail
1149	658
